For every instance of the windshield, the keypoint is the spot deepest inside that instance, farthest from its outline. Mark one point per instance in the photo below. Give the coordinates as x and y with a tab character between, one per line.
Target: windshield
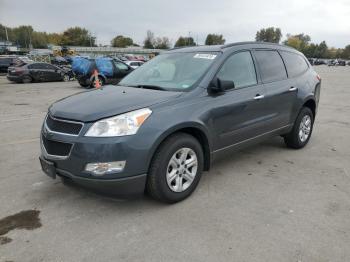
173	71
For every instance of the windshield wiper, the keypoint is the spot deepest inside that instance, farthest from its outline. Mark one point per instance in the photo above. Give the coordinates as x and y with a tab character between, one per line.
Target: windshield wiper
151	87
155	87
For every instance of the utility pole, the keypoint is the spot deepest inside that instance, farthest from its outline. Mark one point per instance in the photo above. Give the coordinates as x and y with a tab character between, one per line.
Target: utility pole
7	36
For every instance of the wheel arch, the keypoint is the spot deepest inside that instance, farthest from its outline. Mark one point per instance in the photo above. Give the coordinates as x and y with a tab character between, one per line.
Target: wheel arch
310	103
194	129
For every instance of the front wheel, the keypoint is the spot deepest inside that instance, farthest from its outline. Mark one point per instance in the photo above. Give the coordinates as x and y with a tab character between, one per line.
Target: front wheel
65	78
176	168
302	129
27	79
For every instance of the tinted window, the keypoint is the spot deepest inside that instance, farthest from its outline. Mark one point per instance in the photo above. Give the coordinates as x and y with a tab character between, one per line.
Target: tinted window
271	66
51	67
240	69
37	66
5	61
121	66
295	63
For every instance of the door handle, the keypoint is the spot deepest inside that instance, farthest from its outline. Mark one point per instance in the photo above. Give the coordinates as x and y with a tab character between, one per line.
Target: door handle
258	97
293	89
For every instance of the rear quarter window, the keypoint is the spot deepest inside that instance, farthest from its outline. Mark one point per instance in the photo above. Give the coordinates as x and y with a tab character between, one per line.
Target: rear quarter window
295	63
271	65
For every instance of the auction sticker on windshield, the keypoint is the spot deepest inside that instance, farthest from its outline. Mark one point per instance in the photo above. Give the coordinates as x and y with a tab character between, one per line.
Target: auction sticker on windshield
205	56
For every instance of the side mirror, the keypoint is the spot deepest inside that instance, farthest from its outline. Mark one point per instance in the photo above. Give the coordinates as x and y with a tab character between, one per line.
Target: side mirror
217	85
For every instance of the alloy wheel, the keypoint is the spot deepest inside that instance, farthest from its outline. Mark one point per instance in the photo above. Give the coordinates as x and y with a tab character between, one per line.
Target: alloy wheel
182	169
305	128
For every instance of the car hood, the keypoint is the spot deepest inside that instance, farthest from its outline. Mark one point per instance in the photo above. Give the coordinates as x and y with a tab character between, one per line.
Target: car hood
108	101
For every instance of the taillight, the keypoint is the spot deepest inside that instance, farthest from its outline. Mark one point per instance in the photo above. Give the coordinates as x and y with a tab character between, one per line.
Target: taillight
318	77
19	69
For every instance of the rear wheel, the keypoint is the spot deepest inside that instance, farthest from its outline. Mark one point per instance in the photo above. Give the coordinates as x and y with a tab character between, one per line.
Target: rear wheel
176	168
302	129
27	79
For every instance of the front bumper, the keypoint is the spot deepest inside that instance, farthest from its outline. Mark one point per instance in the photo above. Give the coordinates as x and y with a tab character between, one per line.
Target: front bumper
132	149
134	185
14	78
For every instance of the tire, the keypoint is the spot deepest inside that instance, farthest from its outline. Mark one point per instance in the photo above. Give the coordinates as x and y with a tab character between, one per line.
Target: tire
100	79
87	86
159	183
295	139
65	78
27	79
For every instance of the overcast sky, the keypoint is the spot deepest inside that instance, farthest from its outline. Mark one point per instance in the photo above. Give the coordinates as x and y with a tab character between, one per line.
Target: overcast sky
236	20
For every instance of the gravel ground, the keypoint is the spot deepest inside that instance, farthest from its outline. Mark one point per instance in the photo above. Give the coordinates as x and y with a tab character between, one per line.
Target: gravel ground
265	203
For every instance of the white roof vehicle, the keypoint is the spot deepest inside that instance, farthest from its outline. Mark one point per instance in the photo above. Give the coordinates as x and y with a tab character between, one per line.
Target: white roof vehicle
134	64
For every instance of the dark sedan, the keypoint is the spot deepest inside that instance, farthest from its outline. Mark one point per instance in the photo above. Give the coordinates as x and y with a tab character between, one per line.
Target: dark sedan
38	72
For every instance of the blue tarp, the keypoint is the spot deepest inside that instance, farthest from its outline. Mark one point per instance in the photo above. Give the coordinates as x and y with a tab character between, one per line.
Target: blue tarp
81	65
104	66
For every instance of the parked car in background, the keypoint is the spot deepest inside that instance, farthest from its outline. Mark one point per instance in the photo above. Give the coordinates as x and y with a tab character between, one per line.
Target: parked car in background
134	64
319	61
311	61
341	62
6	62
23	60
59	61
38	72
170	119
336	62
110	71
121	57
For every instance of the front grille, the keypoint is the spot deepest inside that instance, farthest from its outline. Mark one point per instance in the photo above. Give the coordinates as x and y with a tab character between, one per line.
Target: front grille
56	148
63	126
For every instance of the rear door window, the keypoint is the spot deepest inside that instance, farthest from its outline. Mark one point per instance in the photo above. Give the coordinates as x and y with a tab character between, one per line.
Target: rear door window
295	63
271	65
240	69
50	67
37	66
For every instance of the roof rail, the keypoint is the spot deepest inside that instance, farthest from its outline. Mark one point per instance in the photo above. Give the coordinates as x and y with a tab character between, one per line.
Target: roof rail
178	47
251	42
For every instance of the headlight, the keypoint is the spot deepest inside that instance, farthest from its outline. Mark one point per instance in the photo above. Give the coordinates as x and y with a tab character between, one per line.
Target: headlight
121	125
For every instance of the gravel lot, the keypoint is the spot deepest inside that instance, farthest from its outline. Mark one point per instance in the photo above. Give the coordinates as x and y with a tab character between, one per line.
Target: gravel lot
265	203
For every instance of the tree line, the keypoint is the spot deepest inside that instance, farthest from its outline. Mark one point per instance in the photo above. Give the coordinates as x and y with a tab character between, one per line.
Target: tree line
302	42
26	36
